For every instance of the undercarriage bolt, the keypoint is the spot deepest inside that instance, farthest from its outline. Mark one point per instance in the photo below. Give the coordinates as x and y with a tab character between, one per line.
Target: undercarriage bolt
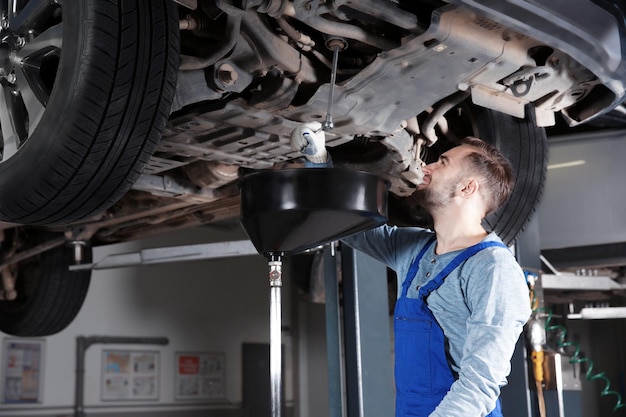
79	251
227	74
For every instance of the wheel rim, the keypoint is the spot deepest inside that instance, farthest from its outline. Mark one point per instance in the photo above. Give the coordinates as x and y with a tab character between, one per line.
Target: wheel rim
31	37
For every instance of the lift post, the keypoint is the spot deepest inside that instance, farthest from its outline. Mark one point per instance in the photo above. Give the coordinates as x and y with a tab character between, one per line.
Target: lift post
369	379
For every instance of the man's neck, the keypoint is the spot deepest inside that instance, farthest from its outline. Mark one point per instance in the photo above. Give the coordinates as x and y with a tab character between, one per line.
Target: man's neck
462	232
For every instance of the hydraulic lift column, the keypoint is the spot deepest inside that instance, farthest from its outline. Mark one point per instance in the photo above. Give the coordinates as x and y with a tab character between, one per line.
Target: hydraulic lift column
369	378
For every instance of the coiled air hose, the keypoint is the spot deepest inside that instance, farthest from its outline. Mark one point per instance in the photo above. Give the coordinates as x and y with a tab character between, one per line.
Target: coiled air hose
577	359
562	344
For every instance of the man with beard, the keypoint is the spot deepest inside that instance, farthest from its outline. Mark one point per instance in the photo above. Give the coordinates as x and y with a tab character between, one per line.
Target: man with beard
462	297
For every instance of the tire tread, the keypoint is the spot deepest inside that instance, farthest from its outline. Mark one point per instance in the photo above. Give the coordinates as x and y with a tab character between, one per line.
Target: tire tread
117	111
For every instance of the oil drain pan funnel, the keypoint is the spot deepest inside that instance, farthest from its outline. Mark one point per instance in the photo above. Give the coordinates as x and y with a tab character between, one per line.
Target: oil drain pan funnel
289	211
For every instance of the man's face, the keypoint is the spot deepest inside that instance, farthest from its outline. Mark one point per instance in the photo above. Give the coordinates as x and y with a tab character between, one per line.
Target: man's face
442	178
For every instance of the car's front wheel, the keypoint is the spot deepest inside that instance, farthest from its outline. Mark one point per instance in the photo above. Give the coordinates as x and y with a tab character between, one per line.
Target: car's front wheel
86	89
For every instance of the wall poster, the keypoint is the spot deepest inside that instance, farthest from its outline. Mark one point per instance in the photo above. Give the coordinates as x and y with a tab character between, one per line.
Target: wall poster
22	371
130	375
200	375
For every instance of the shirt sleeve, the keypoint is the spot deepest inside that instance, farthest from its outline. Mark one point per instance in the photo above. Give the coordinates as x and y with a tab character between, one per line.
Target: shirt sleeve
390	245
497	296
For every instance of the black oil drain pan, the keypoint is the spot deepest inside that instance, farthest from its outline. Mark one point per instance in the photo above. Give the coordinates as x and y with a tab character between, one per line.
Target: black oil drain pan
289	211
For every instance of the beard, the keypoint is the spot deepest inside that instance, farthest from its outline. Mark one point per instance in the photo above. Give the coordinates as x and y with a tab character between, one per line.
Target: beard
433	197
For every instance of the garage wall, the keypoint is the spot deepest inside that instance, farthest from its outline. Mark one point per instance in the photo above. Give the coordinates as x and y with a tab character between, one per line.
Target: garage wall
584	198
211	306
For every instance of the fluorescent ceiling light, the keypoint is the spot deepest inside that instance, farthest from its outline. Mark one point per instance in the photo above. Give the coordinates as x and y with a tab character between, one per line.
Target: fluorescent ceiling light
567	164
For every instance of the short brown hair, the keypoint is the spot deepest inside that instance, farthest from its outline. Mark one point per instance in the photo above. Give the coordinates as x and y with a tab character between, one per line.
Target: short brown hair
495	170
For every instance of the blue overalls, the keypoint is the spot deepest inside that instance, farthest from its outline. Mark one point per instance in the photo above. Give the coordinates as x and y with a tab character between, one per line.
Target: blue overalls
423	375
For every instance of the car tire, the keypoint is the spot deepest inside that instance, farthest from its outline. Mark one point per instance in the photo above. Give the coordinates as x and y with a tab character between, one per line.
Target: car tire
526	147
84	116
49	295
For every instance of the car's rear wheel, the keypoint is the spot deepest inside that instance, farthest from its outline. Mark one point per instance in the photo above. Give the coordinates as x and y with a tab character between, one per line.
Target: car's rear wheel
86	92
49	295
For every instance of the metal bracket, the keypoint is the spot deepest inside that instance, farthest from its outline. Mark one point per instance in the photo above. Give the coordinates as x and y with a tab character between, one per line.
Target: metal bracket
170	254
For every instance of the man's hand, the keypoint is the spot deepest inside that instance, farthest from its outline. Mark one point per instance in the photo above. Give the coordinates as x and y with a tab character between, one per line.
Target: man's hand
310	141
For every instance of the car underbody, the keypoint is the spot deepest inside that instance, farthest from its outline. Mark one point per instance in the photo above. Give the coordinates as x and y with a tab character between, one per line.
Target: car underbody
410	78
398	76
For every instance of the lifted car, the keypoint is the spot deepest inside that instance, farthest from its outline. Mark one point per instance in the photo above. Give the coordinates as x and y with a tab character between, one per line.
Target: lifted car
123	119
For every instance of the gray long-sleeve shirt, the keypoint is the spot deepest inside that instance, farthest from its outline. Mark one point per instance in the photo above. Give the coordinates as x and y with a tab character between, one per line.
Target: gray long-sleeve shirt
482	307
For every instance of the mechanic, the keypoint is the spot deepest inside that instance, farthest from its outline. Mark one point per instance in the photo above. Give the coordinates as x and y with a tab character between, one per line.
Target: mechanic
462	296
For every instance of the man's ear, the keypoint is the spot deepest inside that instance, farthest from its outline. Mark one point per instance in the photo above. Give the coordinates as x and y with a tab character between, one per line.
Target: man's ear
470	187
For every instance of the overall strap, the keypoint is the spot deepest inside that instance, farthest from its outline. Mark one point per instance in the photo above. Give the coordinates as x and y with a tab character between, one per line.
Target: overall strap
458	260
414	267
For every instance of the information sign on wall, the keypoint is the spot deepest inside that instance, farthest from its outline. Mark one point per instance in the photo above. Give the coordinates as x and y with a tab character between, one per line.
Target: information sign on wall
130	375
22	371
200	375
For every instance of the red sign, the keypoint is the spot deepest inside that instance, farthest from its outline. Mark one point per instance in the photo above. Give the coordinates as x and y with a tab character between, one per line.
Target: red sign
188	365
